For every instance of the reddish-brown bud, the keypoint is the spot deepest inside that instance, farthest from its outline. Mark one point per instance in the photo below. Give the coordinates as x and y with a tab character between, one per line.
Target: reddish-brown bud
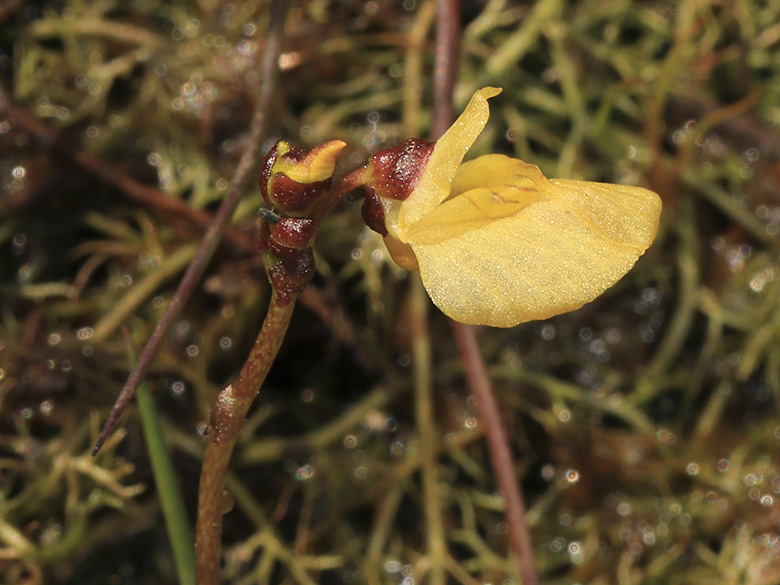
289	236
373	212
294	197
293	232
292	179
266	167
396	171
290	276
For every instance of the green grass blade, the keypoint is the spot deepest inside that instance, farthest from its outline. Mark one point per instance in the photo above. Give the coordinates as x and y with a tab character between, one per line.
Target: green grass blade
179	532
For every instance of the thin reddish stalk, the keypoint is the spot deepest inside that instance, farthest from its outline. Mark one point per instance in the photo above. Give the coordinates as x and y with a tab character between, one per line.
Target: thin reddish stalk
500	453
445	68
269	70
344	187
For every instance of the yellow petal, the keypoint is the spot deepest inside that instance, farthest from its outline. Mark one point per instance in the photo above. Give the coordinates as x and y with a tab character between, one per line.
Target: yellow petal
488	188
529	248
402	254
434	186
318	165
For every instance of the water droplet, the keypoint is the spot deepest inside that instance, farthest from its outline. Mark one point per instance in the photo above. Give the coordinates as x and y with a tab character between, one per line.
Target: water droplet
396	448
46	407
557	544
572	476
178	387
304	473
692	469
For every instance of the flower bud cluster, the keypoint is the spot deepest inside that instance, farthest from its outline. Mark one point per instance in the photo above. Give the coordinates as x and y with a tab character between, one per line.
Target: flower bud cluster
293	181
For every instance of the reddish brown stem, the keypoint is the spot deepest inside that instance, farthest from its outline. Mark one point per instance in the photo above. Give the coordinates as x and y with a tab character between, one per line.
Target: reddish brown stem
506	477
341	189
446	64
228	414
447	36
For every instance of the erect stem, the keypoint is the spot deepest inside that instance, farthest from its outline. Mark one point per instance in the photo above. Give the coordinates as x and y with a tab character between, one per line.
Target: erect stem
228	414
506	478
447	36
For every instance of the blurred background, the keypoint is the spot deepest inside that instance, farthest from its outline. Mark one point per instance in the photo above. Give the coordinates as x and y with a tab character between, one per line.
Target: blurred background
644	426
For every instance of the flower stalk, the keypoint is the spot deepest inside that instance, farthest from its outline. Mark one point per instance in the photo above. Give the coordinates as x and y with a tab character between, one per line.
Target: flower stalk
296	186
228	414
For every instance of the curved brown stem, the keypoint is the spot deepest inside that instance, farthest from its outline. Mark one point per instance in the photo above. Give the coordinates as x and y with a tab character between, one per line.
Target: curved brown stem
214	234
341	189
228	414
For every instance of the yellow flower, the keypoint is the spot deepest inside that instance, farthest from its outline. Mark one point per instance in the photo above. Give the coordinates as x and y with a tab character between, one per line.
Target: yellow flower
498	244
